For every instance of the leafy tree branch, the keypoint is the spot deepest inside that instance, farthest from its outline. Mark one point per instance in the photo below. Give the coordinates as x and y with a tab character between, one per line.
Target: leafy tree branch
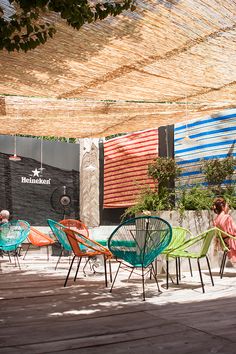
29	24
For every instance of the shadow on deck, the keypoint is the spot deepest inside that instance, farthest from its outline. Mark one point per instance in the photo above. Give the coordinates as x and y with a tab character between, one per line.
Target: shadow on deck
38	315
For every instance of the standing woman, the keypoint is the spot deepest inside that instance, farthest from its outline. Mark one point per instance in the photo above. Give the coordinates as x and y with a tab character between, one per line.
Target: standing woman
225	222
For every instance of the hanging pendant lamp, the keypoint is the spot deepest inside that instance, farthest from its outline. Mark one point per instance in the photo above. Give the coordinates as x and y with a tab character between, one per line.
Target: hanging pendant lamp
187	140
15	157
41	156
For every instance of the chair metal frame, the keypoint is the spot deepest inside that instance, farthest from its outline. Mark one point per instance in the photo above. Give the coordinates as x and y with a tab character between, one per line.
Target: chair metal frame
12	235
179	236
84	247
139	246
77	225
43	240
182	251
59	233
225	249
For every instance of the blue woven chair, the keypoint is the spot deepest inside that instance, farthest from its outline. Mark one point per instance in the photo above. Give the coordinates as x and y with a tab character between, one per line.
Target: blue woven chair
12	234
137	242
59	233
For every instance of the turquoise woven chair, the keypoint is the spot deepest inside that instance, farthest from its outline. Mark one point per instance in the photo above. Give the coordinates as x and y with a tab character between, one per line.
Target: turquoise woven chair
137	242
59	233
12	235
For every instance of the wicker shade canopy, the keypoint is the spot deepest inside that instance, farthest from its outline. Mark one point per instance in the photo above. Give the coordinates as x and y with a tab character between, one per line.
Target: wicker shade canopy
140	70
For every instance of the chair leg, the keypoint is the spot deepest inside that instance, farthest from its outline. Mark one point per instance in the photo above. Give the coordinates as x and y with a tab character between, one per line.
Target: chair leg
209	267
130	273
105	269
27	250
85	267
9	256
47	252
59	259
177	270
155	268
222	266
77	269
190	267
69	271
155	277
110	270
167	273
115	277
143	285
17	259
200	273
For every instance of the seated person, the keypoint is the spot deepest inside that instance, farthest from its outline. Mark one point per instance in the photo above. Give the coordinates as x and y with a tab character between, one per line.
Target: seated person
4	216
225	222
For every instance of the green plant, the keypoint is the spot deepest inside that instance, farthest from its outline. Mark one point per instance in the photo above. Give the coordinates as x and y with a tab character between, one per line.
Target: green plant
150	200
194	198
217	171
163	170
230	196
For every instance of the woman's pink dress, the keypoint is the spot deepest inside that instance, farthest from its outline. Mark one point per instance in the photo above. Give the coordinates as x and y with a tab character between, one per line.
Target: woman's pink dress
226	223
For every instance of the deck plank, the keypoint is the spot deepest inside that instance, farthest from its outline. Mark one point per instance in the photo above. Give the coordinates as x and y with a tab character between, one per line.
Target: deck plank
39	315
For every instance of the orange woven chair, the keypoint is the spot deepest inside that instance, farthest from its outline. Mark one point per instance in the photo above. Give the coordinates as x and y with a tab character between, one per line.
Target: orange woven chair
76	225
84	247
39	239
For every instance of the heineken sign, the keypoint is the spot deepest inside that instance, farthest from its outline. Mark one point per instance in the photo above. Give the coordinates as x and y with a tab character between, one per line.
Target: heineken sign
36	178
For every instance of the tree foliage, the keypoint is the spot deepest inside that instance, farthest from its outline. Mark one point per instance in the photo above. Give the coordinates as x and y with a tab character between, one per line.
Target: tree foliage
217	171
29	24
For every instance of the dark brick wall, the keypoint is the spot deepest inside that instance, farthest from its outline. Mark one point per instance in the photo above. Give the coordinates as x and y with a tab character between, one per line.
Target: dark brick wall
32	202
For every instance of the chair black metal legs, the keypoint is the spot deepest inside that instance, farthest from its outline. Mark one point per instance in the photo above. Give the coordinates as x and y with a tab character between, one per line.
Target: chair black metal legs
143	284
69	270
59	258
27	250
144	273
110	270
190	267
154	272
76	273
105	269
115	277
78	266
222	266
208	264
178	273
168	274
200	273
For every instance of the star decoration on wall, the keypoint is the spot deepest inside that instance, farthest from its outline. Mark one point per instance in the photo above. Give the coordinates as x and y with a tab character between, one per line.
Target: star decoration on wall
36	172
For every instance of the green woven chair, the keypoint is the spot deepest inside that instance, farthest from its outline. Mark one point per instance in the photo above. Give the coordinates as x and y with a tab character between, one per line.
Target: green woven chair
137	242
202	242
179	236
222	234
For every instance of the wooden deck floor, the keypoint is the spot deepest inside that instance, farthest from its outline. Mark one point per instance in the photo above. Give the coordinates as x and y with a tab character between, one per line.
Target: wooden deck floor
38	315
